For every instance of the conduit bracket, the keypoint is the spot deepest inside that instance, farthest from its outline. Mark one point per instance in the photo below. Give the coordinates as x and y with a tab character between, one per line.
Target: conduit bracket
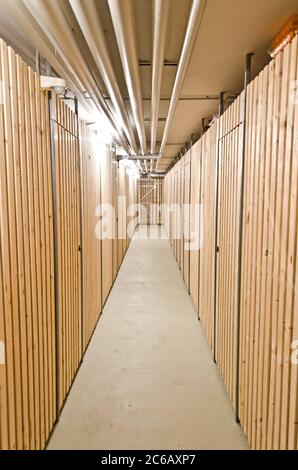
52	83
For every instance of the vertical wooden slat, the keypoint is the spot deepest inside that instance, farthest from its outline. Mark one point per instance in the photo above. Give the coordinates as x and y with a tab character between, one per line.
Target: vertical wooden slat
20	228
292	322
288	231
26	275
5	314
11	210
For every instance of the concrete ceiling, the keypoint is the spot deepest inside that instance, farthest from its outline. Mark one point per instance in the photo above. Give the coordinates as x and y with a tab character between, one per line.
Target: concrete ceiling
229	29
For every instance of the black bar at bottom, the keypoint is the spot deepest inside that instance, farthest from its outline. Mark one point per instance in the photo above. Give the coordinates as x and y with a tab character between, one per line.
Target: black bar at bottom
137	458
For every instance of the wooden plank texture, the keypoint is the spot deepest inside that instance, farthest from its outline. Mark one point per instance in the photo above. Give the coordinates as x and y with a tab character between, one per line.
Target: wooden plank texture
268	394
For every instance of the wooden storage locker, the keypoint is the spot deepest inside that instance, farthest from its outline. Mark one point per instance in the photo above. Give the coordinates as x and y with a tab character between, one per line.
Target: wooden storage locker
255	365
107	241
195	225
115	206
27	377
67	196
91	242
268	387
227	241
186	217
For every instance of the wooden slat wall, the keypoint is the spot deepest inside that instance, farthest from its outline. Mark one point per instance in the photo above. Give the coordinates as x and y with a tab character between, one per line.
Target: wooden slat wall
27	379
257	103
126	185
42	341
107	243
126	193
292	373
180	217
121	215
207	231
132	200
196	182
91	243
115	205
230	157
167	203
171	214
268	379
67	178
150	198
123	187
165	212
185	196
177	215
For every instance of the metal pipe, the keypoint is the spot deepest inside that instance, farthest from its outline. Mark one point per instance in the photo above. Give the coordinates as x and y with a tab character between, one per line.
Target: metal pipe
181	98
247	78
18	13
90	24
123	20
193	25
161	13
138	157
51	19
37	62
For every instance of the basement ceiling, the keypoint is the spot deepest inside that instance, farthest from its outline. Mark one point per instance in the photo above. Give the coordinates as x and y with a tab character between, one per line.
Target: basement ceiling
228	31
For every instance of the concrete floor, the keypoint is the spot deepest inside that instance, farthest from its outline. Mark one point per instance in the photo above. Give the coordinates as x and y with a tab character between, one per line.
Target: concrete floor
148	380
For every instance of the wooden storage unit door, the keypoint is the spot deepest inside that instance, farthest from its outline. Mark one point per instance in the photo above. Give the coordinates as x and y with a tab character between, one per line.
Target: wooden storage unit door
27	369
91	243
126	192
166	202
261	376
194	255
107	242
172	213
115	206
132	198
121	214
209	148
67	241
230	158
186	217
176	216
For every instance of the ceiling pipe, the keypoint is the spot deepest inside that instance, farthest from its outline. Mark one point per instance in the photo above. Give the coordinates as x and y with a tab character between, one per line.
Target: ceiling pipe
124	25
52	20
193	25
160	22
18	13
89	22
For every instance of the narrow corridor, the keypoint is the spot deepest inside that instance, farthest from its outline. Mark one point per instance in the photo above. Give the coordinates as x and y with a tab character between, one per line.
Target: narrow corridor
148	380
